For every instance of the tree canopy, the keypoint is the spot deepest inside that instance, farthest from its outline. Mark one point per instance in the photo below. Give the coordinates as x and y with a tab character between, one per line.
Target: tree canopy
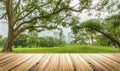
110	28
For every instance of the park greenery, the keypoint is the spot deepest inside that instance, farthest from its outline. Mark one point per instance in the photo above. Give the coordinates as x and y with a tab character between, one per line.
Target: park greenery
107	30
32	41
29	41
39	15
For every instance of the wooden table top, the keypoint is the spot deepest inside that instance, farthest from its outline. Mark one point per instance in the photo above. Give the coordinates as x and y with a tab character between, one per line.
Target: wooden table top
59	62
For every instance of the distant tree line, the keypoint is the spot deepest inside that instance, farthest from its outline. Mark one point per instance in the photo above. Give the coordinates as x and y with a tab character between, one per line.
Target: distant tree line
32	40
25	40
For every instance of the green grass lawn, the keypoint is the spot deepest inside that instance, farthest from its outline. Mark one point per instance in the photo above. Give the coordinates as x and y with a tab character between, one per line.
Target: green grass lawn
69	49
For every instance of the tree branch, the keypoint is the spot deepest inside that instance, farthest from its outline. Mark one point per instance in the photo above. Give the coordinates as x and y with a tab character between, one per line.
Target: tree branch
46	16
25	15
2	0
25	10
17	5
28	12
21	13
105	34
34	27
57	5
3	16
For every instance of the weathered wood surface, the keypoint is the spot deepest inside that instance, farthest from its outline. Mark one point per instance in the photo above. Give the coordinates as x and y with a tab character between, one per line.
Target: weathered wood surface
59	62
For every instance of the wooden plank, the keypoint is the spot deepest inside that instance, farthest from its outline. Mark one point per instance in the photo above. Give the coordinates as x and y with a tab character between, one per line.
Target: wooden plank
16	62
2	57
93	56
29	63
97	65
7	60
68	59
111	65
62	63
65	63
85	64
117	55
53	63
43	63
79	63
117	59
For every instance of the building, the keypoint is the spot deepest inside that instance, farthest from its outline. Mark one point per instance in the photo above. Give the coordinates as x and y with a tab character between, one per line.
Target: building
56	34
70	38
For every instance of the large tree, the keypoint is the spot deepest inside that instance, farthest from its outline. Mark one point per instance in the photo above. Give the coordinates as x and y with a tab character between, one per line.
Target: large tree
36	15
110	28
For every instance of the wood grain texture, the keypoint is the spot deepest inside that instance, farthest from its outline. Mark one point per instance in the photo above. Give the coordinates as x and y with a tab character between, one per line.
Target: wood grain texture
60	62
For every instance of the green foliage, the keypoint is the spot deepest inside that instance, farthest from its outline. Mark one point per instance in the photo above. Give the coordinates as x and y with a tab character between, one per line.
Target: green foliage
81	37
32	40
21	40
84	36
114	21
2	41
114	26
102	41
50	42
100	31
93	23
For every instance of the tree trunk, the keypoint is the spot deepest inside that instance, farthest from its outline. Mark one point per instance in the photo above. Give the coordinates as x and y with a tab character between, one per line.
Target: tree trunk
8	45
9	11
91	39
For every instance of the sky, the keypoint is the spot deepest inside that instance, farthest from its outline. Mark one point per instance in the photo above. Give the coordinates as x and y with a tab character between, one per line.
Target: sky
84	16
3	28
